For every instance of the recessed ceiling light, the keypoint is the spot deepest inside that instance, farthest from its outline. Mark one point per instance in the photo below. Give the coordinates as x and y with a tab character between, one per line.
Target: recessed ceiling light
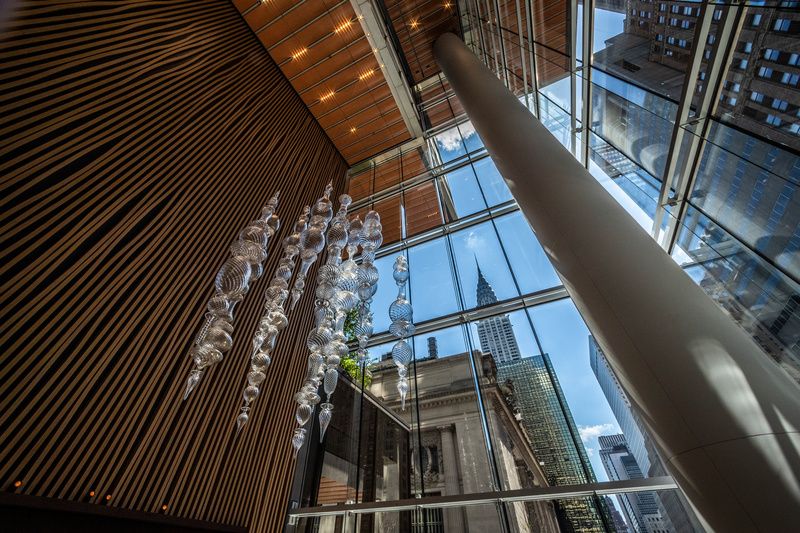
414	24
343	26
353	129
367	74
300	53
326	96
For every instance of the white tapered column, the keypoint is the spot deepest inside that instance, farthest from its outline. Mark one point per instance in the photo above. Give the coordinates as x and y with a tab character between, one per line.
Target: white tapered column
725	414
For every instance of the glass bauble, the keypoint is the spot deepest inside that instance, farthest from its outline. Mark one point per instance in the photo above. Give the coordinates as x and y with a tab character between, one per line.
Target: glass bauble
318	337
219	339
303	413
325	415
219	306
297	439
255	377
250	393
400	310
255	234
331	378
401	353
249	250
233	278
261	361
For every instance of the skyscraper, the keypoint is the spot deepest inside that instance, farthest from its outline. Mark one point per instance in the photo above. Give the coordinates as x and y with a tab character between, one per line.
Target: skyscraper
496	334
544	413
641	508
674	507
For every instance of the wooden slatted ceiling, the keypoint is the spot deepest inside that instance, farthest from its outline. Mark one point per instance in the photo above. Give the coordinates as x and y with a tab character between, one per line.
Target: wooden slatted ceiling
136	140
417	24
321	48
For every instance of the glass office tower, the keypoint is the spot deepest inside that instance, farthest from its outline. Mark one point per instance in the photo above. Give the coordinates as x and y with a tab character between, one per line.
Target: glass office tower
708	165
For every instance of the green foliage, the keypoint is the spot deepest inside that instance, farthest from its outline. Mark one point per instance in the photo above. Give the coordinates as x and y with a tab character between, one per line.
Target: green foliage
350	325
349	363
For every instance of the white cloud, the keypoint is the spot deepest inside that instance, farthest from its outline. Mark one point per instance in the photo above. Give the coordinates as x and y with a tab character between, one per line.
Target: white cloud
589	451
450	140
592	432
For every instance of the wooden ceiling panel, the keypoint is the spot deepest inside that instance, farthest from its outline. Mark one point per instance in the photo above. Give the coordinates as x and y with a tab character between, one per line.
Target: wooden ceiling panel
321	48
417	23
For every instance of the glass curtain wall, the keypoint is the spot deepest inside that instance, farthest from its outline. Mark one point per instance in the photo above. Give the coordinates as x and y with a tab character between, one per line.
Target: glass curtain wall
508	388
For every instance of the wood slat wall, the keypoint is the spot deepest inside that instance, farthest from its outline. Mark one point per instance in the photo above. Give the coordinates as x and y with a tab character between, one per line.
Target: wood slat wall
136	139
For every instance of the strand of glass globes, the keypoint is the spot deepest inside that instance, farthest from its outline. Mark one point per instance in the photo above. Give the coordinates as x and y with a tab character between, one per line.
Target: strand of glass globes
341	287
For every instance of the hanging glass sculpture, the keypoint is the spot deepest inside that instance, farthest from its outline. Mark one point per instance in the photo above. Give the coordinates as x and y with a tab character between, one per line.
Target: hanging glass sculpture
402	326
312	241
246	264
274	320
340	287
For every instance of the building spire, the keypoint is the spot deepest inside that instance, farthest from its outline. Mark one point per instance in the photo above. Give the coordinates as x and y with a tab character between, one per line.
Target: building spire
485	293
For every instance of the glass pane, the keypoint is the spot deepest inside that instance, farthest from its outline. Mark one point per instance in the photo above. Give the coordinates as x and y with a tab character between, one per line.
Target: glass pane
391	218
649	44
385	295
469	519
387	174
527	258
470	136
637	122
414	164
476	246
565	338
465	192
449	450
360	185
752	189
422	211
492	184
760	93
661	510
450	145
764	301
431	280
440	343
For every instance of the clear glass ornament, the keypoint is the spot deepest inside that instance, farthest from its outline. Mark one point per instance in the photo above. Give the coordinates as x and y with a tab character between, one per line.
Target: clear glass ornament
303	413
325	416
297	439
402	326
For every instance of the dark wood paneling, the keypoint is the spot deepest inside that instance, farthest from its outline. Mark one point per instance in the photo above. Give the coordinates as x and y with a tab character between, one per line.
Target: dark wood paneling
136	139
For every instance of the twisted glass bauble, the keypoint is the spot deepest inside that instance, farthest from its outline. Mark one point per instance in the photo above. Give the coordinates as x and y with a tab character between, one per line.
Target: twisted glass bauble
260	361
219	338
318	337
325	415
401	353
400	310
249	250
233	278
303	413
331	378
254	233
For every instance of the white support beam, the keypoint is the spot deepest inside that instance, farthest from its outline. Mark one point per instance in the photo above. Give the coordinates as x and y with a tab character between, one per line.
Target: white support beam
388	59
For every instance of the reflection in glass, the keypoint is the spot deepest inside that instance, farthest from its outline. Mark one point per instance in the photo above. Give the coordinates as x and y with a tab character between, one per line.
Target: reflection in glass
528	261
385	295
449	450
430	264
465	192
492	184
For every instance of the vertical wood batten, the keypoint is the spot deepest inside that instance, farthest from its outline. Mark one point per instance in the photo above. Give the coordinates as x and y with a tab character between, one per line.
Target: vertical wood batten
136	140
